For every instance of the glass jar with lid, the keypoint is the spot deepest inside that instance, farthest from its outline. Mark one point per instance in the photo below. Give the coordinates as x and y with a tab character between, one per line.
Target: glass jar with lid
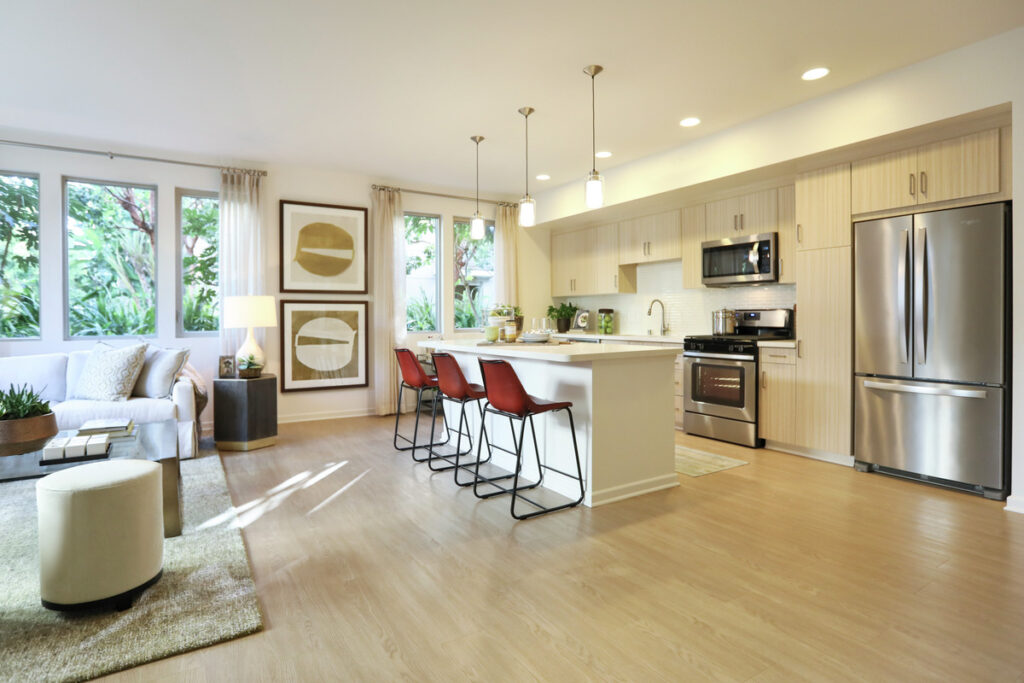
605	321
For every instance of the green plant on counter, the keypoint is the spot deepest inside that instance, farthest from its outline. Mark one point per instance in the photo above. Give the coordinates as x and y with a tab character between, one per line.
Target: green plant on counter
506	310
563	310
249	363
20	402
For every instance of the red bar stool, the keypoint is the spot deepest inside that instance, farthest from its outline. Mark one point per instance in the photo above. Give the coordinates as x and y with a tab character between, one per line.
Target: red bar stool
414	377
506	396
454	387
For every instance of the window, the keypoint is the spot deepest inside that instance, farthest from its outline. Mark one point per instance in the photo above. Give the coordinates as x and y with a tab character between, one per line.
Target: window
198	225
19	256
110	236
473	276
422	245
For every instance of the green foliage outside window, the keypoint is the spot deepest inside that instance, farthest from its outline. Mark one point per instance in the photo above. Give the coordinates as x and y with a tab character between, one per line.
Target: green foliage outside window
111	243
471	256
421	234
19	256
200	221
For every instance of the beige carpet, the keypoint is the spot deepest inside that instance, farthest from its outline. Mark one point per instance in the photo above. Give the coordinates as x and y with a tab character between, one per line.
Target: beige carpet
698	463
206	594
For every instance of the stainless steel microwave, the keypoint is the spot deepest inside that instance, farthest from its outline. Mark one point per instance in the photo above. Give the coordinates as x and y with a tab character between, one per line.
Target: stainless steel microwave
745	260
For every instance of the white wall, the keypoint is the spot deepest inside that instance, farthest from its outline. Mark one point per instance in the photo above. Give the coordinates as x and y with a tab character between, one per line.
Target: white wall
978	76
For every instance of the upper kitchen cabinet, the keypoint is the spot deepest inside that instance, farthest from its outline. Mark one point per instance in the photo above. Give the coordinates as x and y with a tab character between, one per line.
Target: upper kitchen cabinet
586	262
787	234
566	262
959	168
650	238
749	214
823	208
693	235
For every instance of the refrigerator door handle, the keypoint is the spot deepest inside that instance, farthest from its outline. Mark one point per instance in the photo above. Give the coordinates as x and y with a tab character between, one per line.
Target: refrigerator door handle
930	391
901	297
921	295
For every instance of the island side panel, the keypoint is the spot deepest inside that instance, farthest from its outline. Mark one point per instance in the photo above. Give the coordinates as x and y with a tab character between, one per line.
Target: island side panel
633	428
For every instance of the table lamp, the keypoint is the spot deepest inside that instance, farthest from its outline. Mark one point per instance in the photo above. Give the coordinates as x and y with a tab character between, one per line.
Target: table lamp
250	312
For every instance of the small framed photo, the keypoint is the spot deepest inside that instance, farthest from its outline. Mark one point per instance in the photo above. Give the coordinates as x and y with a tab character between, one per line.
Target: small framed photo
226	367
581	320
324	345
323	248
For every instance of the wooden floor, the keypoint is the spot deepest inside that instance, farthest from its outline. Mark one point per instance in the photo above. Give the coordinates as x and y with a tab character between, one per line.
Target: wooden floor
785	569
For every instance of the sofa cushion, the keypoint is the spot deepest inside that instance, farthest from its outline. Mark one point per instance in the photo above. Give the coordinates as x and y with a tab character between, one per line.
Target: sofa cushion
72	414
76	361
45	373
109	374
159	370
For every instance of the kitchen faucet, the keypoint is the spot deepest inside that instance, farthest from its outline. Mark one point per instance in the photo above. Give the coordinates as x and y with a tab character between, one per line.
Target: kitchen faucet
664	327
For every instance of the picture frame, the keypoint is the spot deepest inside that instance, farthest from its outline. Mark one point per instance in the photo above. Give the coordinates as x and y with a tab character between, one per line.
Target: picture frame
324	345
323	248
581	320
226	367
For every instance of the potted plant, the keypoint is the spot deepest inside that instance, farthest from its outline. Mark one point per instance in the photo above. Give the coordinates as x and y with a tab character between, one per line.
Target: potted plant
563	314
249	367
26	421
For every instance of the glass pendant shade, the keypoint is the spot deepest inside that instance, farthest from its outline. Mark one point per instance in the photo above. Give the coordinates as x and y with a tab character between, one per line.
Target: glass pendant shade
527	211
476	227
594	190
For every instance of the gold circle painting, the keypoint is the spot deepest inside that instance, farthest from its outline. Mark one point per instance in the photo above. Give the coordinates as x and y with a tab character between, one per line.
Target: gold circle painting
324	249
325	344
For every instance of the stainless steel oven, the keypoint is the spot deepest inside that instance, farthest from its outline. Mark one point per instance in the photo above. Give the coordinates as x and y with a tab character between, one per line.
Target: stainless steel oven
740	260
720	395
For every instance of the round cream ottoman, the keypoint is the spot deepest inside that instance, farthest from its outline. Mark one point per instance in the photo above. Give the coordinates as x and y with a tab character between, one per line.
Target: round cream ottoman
101	534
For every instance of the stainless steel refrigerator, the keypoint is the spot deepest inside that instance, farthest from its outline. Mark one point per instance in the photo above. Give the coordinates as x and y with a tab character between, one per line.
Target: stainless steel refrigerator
930	350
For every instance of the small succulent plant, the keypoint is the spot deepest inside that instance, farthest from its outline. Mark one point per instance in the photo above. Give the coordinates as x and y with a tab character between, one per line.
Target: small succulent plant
21	402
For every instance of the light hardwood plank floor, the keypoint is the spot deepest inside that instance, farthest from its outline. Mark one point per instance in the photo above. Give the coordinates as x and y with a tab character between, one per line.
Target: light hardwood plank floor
784	569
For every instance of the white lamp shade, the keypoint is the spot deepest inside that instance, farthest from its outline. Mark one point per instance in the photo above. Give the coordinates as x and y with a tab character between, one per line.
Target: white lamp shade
476	227
595	191
527	211
249	311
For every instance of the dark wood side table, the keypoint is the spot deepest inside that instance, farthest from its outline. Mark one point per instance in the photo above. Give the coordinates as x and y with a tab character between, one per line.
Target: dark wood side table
245	413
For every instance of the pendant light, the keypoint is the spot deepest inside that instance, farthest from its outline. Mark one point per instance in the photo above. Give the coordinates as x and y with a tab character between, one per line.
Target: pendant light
595	183
476	226
527	206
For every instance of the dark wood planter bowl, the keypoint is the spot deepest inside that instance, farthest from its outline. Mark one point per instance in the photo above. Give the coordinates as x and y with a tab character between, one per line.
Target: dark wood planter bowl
563	324
27	434
250	373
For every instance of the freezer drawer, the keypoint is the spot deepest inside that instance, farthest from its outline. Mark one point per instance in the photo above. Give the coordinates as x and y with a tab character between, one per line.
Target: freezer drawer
951	431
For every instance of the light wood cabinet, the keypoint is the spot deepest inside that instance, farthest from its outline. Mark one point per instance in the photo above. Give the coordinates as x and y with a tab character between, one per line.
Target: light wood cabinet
787	234
777	395
823	209
586	262
966	166
824	363
722	218
603	249
749	214
692	236
564	261
650	238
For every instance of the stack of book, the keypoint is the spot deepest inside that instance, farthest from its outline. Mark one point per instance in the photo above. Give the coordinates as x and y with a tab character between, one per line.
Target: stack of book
113	427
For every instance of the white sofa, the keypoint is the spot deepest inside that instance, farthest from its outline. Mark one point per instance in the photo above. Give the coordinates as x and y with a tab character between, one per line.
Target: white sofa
54	376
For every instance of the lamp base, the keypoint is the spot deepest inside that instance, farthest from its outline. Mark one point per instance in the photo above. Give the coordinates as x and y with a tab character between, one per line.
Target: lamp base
250	348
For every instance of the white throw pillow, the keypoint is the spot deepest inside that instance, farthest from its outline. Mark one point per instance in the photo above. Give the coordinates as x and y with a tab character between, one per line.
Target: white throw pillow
159	370
109	374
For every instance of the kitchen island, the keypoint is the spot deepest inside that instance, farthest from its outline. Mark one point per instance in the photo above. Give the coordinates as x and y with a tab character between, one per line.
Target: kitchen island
622	404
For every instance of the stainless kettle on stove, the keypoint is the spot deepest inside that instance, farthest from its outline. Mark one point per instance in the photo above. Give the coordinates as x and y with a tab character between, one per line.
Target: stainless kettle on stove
723	321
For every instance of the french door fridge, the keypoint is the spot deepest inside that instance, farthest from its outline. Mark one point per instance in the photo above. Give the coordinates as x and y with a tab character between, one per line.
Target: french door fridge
930	348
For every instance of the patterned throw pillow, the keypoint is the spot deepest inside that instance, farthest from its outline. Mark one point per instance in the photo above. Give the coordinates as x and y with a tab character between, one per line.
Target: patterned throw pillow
109	374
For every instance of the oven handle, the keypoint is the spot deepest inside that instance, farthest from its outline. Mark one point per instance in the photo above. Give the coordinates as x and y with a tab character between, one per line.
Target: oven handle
721	356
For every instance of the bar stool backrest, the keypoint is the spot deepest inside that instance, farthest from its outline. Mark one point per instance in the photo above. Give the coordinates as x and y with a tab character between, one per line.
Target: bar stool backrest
504	390
412	371
449	376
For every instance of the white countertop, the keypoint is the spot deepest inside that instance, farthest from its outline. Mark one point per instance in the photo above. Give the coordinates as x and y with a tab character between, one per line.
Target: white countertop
777	344
648	338
557	353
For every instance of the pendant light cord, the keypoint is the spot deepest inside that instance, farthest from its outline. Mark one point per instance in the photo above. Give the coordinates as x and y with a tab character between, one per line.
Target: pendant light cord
593	125
526	170
478	177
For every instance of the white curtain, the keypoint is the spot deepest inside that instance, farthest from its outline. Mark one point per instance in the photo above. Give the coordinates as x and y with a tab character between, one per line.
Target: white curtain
241	246
506	254
388	294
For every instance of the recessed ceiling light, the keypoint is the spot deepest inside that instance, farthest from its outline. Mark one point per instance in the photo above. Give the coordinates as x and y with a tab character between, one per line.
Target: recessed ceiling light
543	176
603	155
815	73
689	122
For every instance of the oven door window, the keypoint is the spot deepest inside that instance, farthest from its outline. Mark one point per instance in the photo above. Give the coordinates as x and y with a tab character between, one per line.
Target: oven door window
718	384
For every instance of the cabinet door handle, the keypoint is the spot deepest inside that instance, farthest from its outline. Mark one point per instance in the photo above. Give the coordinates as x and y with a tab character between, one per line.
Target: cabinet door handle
764	379
781	261
799	348
924	184
799	239
741	222
775	355
615	281
912	189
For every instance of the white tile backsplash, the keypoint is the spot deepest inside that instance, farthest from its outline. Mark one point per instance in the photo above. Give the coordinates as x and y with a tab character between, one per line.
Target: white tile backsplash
688	311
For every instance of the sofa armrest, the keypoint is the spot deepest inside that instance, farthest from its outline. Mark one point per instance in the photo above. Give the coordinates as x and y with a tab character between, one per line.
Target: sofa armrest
184	399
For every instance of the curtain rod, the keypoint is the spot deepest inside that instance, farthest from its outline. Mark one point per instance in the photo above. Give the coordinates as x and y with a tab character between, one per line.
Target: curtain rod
137	157
440	194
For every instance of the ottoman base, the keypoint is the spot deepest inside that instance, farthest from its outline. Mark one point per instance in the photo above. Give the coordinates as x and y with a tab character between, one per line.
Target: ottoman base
120	602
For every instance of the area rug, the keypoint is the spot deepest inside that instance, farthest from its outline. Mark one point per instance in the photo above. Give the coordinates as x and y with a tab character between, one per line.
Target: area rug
698	463
206	594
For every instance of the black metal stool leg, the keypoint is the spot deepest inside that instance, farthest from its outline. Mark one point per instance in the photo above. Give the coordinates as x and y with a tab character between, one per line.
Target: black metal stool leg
413	442
491	447
481	441
448	434
579	472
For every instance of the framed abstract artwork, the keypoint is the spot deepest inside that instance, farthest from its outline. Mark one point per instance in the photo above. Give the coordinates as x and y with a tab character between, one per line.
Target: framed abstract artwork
323	248
323	345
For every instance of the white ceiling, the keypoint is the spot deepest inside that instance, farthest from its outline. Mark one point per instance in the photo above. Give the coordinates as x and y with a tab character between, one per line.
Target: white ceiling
395	89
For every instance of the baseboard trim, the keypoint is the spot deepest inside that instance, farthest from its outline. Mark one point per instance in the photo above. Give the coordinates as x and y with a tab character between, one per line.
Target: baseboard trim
326	415
636	488
1014	504
823	456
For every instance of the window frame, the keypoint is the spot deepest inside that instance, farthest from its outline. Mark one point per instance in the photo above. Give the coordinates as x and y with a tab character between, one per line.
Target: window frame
179	289
438	275
39	230
67	272
488	223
